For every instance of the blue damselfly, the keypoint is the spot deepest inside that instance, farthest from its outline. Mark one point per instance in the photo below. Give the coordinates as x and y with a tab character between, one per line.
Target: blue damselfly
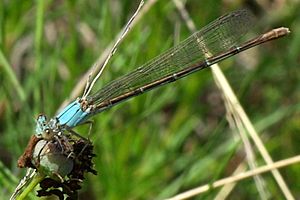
217	41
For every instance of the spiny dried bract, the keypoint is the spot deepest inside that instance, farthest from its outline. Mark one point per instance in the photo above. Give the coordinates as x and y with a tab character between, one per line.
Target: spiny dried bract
84	151
53	187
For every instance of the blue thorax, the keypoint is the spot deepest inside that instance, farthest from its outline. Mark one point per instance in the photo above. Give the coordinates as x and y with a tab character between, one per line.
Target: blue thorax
71	116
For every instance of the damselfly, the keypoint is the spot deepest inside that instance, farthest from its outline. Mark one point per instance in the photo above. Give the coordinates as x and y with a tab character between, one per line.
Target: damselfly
217	41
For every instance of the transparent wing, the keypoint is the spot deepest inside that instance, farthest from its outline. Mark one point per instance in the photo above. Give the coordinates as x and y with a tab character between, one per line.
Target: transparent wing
215	38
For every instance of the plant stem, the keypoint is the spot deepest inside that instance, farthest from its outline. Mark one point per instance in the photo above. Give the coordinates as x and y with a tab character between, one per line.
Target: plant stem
37	179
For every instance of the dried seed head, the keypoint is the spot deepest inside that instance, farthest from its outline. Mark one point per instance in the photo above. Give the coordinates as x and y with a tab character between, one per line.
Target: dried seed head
50	158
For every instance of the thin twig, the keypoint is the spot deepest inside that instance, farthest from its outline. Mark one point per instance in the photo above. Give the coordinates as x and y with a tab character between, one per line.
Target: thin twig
223	83
237	126
81	83
127	27
226	189
235	178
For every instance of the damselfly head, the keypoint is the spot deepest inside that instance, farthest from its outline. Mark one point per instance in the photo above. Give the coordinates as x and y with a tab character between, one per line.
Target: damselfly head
46	129
41	125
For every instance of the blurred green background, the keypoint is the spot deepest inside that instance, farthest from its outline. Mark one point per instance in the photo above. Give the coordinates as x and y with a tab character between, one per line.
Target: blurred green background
168	140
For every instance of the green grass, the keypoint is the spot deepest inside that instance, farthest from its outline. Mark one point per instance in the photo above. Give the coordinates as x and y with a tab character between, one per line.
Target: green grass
163	142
